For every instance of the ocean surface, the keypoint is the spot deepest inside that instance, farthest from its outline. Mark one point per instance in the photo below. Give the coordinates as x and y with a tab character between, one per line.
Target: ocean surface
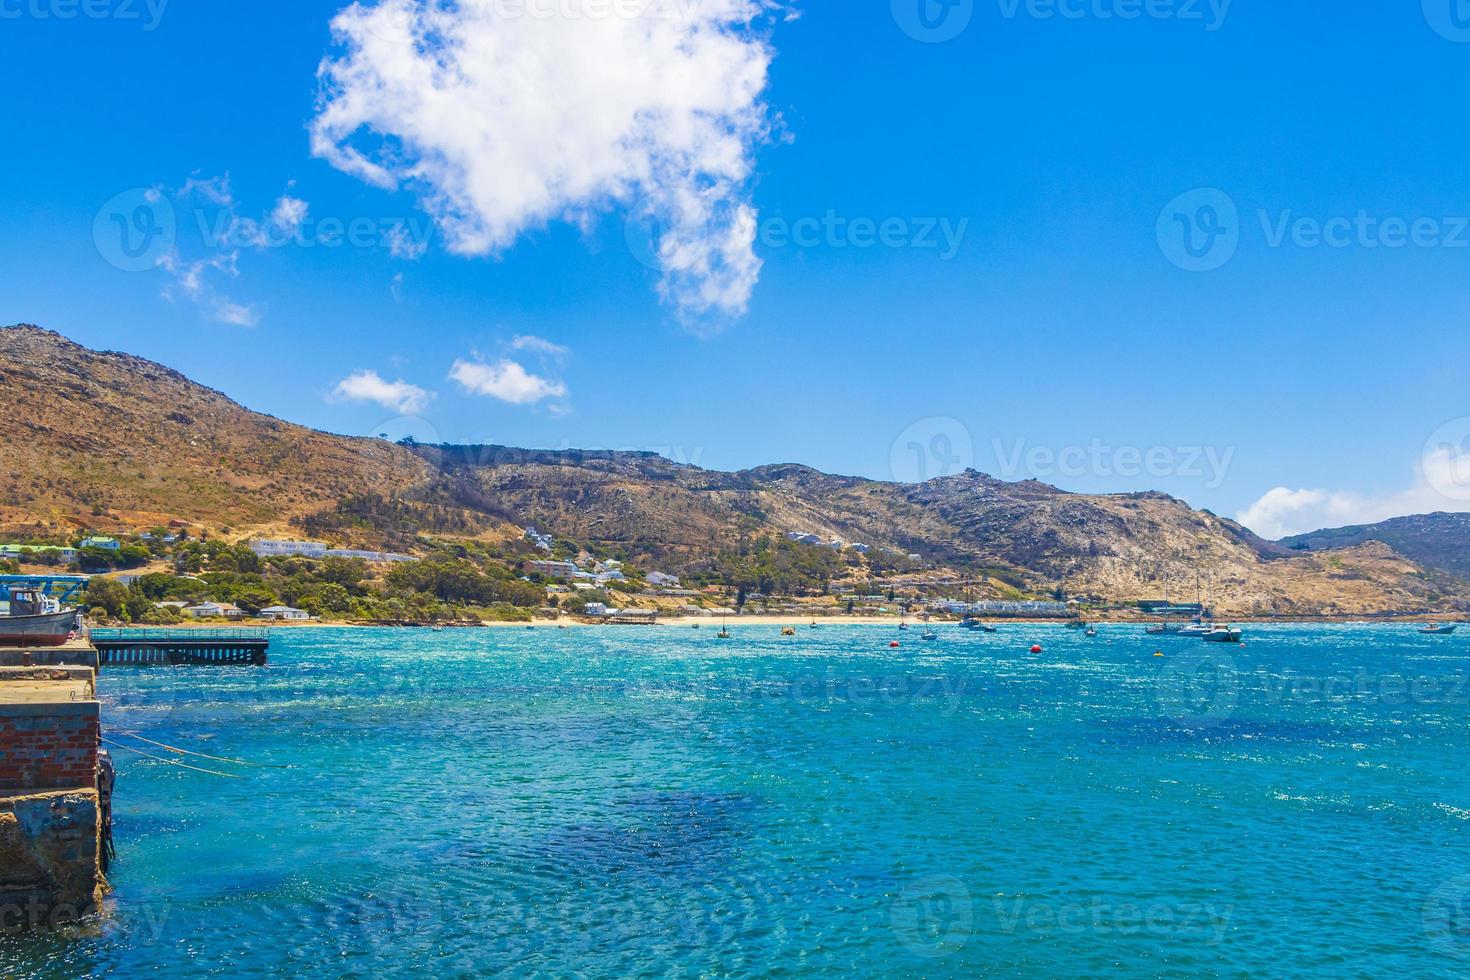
650	802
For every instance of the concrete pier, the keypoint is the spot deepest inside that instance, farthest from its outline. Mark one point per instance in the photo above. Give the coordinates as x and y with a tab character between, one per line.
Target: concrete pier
51	813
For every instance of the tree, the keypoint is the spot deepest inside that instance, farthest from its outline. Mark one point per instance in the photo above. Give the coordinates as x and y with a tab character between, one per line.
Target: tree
333	598
109	595
253	600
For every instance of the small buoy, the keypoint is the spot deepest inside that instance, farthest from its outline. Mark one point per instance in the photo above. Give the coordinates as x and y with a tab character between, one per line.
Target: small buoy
893	643
1158	653
1036	648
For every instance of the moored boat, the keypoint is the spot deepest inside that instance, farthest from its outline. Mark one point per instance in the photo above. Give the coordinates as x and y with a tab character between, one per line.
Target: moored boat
1439	629
1222	634
36	620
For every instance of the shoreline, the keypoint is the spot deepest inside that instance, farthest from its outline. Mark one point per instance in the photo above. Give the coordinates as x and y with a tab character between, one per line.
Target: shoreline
714	622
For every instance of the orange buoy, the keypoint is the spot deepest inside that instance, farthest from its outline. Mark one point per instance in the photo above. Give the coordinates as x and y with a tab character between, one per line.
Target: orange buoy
893	643
1036	648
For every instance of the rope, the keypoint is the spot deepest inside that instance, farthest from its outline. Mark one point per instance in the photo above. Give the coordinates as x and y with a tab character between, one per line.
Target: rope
170	762
215	758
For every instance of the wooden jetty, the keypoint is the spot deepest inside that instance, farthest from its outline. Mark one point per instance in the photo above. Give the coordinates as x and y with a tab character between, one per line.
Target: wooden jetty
182	647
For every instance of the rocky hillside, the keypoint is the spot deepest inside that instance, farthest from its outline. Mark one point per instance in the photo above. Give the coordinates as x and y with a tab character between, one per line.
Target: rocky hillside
112	442
104	439
1440	541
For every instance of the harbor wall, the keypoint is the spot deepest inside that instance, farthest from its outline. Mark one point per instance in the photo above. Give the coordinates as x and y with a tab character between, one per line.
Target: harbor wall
48	746
49	848
51	813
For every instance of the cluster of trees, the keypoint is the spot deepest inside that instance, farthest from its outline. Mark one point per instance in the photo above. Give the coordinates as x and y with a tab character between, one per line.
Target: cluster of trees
776	566
390	521
453	586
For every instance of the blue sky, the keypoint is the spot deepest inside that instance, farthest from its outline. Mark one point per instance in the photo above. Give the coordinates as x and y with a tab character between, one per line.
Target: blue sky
910	253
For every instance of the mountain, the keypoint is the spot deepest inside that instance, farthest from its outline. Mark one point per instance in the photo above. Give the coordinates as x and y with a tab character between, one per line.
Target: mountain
102	438
109	442
1440	541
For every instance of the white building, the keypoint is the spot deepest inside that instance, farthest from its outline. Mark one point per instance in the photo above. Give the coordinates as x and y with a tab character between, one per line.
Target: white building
662	580
366	555
801	537
554	569
206	609
284	613
289	549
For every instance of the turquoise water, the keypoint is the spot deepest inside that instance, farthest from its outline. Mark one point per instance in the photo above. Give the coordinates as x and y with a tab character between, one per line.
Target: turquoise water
658	802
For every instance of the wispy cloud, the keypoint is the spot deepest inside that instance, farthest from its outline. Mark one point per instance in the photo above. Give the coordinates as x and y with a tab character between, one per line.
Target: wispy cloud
503	124
218	254
192	280
368	386
506	380
539	345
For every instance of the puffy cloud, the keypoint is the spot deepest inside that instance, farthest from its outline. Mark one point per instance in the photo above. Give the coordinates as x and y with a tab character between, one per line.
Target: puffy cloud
504	116
505	380
398	396
1441	483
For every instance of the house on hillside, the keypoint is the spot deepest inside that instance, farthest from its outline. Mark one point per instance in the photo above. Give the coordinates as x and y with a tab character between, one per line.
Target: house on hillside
107	544
205	610
289	549
662	580
284	613
20	551
554	569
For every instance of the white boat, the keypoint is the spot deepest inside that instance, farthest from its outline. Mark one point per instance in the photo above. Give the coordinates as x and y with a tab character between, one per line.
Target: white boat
1196	630
1439	629
1223	634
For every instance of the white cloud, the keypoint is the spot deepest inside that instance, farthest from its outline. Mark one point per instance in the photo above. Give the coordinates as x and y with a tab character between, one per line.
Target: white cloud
1441	483
289	214
406	241
398	396
539	345
503	117
192	280
505	380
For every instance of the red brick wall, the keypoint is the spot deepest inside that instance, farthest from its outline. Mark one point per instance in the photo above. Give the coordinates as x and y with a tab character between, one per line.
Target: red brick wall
43	752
